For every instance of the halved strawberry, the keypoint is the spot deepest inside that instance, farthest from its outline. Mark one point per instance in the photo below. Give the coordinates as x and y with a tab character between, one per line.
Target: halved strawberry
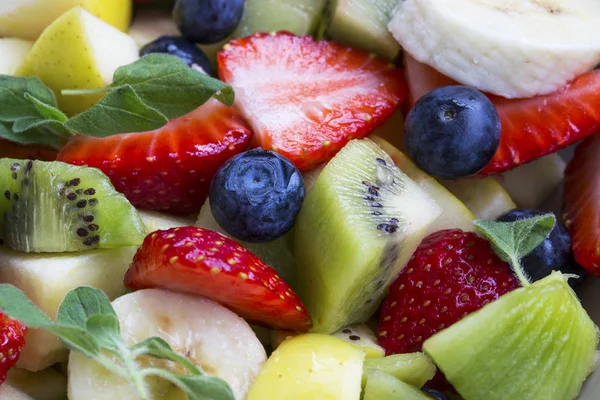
209	264
305	99
13	150
531	128
168	169
581	204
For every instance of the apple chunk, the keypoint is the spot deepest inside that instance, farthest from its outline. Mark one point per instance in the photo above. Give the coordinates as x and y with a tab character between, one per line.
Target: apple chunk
78	51
13	53
28	18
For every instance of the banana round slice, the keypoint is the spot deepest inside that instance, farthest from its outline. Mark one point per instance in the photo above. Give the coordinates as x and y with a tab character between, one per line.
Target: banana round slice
512	48
214	338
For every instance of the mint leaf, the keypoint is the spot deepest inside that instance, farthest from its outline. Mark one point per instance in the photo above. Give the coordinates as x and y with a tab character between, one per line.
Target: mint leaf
82	303
197	387
39	136
158	348
13	103
512	241
168	84
104	328
47	111
121	111
15	304
87	323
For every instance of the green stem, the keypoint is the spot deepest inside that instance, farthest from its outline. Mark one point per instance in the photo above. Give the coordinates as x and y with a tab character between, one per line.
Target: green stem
133	372
85	92
518	269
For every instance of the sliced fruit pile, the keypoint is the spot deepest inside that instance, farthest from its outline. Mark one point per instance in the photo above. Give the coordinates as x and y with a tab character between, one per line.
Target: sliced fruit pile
347	228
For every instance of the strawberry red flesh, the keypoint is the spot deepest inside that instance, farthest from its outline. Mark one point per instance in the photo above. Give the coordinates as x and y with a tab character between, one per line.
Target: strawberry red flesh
305	99
450	275
168	169
12	342
581	207
531	128
207	263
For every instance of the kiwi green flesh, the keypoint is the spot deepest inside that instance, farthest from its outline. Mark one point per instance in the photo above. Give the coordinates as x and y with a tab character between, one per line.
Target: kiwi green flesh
363	24
381	386
57	207
300	17
412	368
357	228
533	343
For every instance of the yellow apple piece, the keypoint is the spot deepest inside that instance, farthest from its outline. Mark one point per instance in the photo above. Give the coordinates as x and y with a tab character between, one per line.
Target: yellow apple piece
311	366
28	18
78	51
12	54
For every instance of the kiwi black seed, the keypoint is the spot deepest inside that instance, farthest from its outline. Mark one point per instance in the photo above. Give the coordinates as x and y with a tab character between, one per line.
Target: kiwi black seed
48	207
358	226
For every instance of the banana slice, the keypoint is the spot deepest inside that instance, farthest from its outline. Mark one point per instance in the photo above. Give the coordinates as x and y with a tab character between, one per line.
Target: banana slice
217	340
512	48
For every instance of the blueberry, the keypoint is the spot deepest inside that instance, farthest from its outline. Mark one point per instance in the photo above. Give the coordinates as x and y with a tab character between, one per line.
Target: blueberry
256	196
179	47
207	21
452	132
435	394
553	254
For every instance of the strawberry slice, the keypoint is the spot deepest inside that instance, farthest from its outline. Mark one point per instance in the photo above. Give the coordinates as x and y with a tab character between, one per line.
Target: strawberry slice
305	99
209	264
581	206
531	128
168	169
13	150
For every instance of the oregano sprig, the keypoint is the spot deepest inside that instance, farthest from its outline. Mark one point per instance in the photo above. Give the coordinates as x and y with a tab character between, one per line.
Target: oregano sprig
144	96
512	241
87	323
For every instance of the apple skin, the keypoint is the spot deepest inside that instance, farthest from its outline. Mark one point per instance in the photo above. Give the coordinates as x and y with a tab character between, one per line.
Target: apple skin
28	18
78	51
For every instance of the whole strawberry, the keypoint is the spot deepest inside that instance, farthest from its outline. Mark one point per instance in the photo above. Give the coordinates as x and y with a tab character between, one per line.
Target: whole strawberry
450	275
12	341
209	264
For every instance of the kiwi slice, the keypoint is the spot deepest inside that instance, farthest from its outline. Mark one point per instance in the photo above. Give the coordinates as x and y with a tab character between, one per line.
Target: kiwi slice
412	368
363	23
358	226
300	17
363	337
533	343
57	207
381	386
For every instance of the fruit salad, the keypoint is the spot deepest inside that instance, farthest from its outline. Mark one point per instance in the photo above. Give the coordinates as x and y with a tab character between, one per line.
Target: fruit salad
309	200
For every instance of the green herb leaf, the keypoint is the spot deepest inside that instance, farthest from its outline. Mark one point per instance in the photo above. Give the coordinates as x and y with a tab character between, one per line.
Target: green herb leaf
168	84
39	136
87	323
512	241
145	95
120	111
82	303
13	103
197	387
158	348
104	328
15	304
